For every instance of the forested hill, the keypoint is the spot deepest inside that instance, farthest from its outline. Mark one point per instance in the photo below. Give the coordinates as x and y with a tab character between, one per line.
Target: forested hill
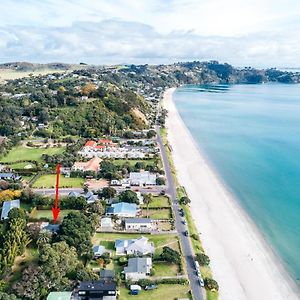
91	101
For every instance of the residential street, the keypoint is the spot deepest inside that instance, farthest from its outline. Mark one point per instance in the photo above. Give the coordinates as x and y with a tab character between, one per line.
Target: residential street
185	240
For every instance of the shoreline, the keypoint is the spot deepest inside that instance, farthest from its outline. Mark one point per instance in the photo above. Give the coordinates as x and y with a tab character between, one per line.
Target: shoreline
242	262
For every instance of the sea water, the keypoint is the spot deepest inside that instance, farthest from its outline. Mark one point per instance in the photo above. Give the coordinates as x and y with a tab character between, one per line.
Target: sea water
251	136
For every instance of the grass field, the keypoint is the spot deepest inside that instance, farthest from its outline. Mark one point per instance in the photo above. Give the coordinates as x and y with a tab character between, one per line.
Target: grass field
158	214
165	269
159	201
47	213
8	74
23	153
48	181
165	292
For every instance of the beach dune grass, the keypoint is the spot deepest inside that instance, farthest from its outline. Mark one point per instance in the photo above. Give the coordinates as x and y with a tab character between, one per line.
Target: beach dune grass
48	181
26	153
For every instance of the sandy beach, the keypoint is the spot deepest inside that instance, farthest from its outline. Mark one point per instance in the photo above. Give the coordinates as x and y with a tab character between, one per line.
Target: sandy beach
241	261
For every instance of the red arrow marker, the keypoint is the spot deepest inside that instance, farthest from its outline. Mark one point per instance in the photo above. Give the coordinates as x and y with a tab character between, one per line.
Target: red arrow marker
55	208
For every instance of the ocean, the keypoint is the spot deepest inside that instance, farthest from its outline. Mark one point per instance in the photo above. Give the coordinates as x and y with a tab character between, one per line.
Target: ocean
251	136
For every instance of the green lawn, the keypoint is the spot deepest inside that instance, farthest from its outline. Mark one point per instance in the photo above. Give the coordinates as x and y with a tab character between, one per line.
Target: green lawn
159	201
22	165
164	291
165	269
47	213
24	153
159	240
48	181
158	214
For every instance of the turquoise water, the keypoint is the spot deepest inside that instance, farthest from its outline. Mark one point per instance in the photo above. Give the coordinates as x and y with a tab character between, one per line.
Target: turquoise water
251	135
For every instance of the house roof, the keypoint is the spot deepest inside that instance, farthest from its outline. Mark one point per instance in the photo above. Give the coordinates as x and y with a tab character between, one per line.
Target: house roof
138	221
99	285
91	165
140	245
107	274
144	176
98	249
105	141
90	144
7	206
138	265
59	296
124	207
74	194
106	222
6	175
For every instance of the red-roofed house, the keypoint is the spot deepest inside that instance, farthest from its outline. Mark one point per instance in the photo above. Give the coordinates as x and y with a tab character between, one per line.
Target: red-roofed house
90	144
91	165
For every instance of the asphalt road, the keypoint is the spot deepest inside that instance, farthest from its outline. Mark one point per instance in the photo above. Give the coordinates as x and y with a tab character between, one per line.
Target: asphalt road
187	250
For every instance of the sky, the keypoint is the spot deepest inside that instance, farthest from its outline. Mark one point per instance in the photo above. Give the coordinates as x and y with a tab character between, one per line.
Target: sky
258	33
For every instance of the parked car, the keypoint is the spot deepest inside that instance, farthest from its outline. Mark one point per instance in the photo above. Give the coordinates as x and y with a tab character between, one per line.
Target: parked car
163	192
150	287
183	222
201	281
186	233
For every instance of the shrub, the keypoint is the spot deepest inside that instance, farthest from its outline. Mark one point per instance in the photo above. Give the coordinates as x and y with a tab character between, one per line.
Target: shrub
211	284
203	259
123	260
195	237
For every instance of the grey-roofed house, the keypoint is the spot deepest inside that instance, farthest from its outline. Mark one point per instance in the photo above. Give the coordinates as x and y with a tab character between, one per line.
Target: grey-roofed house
138	268
9	176
140	246
142	178
139	224
100	290
7	206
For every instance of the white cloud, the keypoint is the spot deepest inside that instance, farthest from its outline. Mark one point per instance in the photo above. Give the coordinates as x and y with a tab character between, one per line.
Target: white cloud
257	32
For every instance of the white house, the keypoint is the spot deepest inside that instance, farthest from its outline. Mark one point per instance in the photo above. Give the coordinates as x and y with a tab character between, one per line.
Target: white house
140	246
142	178
138	268
139	224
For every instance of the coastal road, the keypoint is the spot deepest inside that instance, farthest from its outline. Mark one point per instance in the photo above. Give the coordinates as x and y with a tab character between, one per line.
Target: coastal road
181	228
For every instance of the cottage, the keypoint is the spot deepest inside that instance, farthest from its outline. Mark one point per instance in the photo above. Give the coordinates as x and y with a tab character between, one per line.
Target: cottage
142	178
100	290
91	165
89	145
138	268
8	206
122	210
139	224
140	246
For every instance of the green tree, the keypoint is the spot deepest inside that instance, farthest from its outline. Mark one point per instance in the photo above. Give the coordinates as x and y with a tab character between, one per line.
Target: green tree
108	192
129	197
57	261
147	200
170	255
184	200
44	238
203	259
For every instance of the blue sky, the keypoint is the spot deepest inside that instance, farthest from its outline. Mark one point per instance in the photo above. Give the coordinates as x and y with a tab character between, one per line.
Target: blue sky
259	33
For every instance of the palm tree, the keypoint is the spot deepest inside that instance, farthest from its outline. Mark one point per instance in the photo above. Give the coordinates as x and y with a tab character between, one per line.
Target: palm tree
147	200
44	238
